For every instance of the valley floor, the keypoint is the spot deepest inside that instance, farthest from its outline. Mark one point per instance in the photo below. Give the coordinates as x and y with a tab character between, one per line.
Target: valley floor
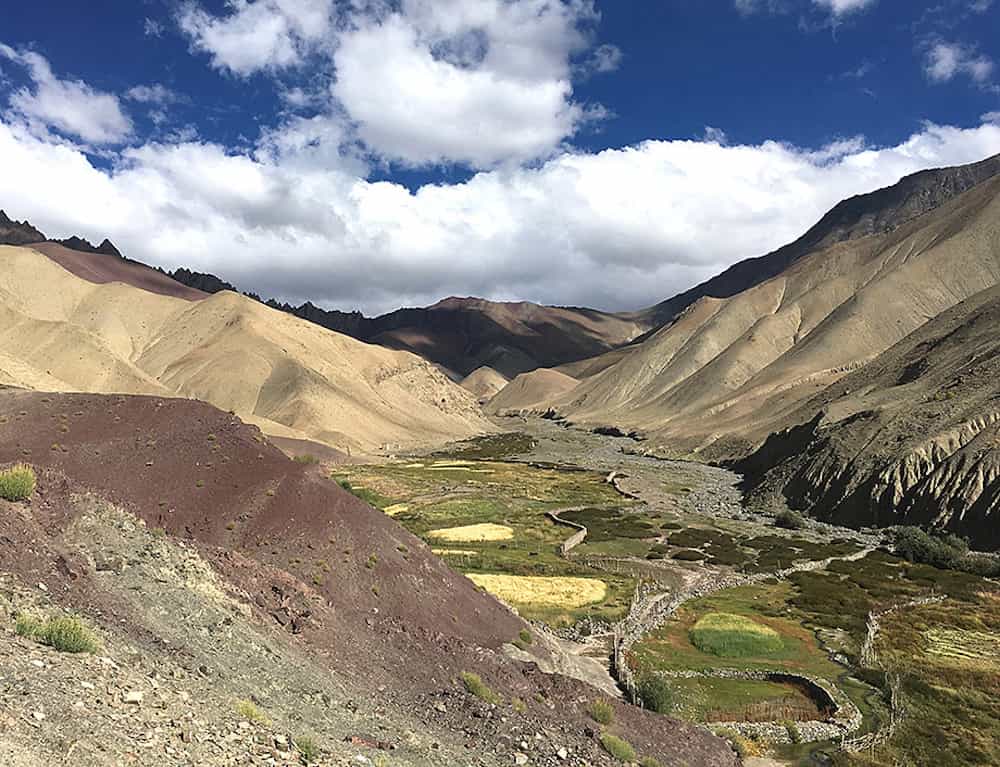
669	546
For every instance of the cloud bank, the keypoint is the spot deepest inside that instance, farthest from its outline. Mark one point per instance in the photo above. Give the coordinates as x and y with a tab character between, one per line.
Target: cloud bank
619	229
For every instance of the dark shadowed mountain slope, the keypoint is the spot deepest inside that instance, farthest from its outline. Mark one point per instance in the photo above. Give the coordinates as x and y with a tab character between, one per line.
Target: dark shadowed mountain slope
464	334
17	232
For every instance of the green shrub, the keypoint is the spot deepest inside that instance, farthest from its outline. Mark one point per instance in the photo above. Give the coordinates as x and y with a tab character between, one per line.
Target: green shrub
307	748
17	483
525	636
656	694
478	687
69	635
602	712
648	761
794	736
918	546
308	459
249	711
28	626
65	634
946	552
689	555
618	748
519	705
789	520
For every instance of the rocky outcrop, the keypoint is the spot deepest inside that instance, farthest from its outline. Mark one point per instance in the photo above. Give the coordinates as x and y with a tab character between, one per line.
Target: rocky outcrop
106	248
17	232
911	438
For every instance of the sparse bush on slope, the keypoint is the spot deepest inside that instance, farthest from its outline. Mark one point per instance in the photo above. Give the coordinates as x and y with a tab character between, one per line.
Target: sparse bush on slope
479	688
620	749
65	634
17	483
602	712
789	520
656	694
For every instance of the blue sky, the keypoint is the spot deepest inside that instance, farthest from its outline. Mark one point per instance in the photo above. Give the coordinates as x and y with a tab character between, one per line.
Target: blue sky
373	154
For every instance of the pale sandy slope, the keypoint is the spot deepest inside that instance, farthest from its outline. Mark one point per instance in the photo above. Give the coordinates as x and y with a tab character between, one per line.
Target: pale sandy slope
530	392
484	382
292	378
728	371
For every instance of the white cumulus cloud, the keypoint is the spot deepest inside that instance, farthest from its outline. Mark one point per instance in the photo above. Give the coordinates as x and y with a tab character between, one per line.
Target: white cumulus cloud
425	82
618	229
944	61
72	107
258	34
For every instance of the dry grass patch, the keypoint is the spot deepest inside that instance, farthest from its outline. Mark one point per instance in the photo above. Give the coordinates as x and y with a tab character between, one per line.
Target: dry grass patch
566	593
454	552
468	533
396	508
964	646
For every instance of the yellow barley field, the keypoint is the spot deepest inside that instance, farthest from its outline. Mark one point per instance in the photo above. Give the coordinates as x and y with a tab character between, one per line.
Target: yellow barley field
467	533
539	591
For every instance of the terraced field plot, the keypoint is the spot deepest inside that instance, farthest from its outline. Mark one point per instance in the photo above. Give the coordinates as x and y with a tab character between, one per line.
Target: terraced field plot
742	700
758	554
950	683
786	644
950	687
488	517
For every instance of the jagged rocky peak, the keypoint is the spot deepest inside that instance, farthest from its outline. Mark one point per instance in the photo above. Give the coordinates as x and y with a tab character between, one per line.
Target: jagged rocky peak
106	247
14	232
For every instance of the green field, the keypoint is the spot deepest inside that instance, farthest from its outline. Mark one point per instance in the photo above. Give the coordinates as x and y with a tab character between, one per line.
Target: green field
458	490
945	654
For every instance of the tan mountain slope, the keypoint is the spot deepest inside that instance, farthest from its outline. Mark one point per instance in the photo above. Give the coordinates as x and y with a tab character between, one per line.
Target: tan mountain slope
727	371
291	377
913	437
864	215
530	391
484	383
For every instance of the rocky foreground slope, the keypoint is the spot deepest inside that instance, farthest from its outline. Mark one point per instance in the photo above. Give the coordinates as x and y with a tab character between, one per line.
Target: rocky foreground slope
217	574
74	321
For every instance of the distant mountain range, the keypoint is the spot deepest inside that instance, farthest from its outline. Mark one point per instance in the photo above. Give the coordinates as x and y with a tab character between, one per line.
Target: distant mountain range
464	334
851	374
459	334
